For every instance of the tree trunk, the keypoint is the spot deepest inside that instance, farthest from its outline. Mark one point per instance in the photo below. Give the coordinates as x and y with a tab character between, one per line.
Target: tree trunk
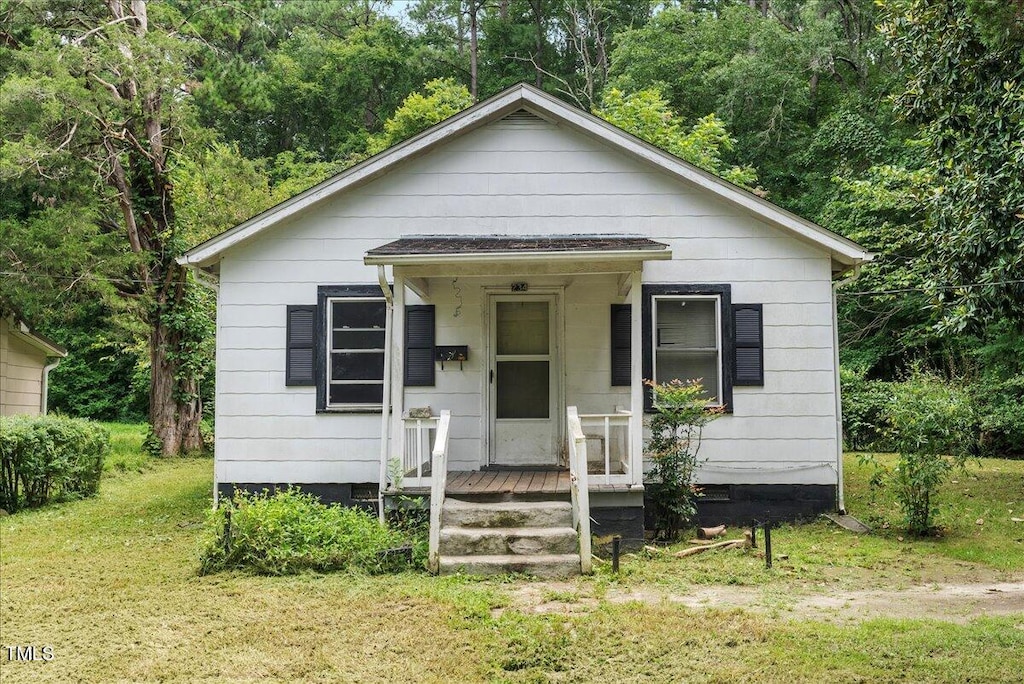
474	8
538	44
175	409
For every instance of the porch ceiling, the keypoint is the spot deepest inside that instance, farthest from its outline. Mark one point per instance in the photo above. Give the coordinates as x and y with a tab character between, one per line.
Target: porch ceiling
457	250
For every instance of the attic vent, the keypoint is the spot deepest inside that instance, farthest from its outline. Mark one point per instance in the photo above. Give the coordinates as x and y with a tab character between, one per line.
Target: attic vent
521	117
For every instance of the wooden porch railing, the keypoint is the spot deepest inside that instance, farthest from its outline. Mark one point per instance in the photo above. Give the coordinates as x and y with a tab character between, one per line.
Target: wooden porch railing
420	434
438	482
579	487
612	432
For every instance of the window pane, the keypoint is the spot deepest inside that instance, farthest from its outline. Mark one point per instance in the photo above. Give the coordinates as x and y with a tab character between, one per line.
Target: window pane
522	327
523	389
684	365
357	339
357	366
359	314
686	323
357	394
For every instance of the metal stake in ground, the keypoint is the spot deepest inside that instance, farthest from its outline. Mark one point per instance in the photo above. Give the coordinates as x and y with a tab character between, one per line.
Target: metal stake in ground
616	542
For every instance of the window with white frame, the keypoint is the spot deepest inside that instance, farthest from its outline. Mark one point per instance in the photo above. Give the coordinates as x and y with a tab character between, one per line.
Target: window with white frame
687	341
355	352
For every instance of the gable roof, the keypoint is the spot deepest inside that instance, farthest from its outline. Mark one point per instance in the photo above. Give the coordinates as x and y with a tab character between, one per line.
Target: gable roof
518	97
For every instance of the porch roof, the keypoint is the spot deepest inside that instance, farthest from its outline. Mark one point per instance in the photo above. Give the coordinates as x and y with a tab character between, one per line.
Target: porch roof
435	249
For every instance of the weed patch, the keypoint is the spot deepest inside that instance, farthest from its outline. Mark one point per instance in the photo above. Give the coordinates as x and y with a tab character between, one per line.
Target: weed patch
287	532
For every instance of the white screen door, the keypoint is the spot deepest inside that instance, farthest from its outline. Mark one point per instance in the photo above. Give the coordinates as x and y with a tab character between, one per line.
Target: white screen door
523	380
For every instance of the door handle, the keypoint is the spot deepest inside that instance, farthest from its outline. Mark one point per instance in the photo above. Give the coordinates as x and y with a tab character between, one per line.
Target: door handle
491	376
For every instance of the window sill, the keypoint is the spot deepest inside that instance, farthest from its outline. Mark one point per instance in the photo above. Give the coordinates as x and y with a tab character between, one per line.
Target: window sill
349	409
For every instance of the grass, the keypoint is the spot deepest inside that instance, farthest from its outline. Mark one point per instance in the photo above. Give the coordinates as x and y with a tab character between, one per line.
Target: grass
111	583
990	491
126	453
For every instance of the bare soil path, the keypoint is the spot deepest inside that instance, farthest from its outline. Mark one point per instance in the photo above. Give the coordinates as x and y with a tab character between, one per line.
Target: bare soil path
950	602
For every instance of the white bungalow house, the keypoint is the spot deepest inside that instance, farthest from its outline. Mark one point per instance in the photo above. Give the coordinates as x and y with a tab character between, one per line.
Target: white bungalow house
472	313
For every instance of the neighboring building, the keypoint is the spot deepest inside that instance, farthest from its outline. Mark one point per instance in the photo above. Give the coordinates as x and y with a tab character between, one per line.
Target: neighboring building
539	262
26	359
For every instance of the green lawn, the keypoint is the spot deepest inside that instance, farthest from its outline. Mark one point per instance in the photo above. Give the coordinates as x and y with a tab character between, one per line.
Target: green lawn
111	585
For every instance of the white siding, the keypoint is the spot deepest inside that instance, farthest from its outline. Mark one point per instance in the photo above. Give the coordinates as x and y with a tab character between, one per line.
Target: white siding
527	180
21	374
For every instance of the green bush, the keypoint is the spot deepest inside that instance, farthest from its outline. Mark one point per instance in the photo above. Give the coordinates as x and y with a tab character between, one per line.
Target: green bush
999	392
48	458
1000	405
676	428
931	424
287	532
864	402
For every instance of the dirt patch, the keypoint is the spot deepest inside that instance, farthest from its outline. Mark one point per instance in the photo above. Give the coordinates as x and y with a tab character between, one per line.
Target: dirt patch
959	603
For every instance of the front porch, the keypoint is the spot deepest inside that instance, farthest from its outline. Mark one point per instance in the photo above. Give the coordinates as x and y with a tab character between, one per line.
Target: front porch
611	463
513	374
509	485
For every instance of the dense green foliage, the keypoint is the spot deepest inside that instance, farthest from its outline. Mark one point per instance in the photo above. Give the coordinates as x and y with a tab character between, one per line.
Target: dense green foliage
864	402
648	116
49	458
681	412
897	123
441	98
286	532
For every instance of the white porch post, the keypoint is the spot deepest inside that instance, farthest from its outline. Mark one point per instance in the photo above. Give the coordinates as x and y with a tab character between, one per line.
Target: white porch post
636	419
398	369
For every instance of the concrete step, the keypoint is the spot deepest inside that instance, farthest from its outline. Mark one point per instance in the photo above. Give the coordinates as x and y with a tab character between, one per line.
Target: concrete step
506	514
547	566
496	541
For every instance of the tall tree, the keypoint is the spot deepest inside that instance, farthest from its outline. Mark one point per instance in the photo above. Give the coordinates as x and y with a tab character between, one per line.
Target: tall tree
963	67
101	85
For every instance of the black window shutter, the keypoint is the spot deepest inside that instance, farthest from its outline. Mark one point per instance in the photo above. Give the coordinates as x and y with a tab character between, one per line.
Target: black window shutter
622	335
300	334
419	345
749	347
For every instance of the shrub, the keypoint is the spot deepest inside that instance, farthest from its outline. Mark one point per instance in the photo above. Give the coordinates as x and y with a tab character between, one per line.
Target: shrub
1000	405
287	532
46	458
931	425
999	392
864	402
682	412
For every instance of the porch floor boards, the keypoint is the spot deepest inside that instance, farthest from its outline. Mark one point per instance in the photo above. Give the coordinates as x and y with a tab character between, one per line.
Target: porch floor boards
507	482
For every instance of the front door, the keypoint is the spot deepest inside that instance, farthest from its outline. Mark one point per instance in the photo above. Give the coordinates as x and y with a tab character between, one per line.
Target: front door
524	380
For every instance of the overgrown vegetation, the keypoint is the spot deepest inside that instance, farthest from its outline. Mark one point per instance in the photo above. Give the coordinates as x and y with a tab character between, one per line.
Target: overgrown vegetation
929	424
286	532
165	623
49	458
681	412
993	392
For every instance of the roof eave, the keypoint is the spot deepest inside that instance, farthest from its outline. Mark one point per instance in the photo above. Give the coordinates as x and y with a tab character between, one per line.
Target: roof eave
516	257
36	340
528	97
592	125
206	253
